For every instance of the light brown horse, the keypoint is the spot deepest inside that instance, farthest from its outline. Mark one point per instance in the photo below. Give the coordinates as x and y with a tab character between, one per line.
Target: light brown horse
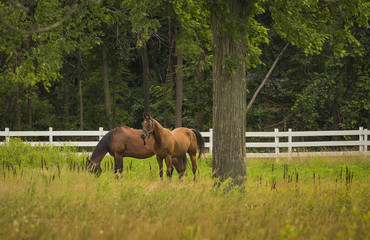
172	145
120	142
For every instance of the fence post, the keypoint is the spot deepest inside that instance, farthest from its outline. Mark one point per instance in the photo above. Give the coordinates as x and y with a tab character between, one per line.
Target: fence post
101	133
361	139
7	135
51	135
211	141
277	151
290	143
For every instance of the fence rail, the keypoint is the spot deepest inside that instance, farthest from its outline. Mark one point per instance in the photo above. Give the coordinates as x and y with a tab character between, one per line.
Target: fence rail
284	144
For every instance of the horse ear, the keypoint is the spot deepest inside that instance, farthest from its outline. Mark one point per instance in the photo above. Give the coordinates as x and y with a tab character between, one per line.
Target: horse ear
145	115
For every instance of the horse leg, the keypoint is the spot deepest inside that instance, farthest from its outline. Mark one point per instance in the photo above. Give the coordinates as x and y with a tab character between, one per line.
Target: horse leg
175	164
118	163
193	163
181	168
168	160
160	163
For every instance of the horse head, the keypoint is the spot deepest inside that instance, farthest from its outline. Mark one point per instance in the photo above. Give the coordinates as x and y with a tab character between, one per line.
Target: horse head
92	167
148	126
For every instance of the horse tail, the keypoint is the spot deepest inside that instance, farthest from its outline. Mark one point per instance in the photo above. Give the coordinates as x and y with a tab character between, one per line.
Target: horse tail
200	142
102	148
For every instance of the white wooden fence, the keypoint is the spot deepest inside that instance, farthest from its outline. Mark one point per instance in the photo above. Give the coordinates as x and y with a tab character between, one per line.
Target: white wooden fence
276	144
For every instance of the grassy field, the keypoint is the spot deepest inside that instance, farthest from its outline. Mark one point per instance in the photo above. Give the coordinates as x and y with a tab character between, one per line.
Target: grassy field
46	194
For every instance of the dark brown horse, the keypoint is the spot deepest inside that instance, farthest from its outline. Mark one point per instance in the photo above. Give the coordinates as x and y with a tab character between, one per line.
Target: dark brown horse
172	145
120	142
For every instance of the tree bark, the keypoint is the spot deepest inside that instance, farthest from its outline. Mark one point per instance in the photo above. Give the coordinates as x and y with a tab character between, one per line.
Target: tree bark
179	84
107	104
145	65
229	100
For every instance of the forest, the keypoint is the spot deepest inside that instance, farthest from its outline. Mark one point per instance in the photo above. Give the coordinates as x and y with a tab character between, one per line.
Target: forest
82	64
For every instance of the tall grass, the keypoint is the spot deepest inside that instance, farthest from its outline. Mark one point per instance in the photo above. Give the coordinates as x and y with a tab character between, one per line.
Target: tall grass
62	201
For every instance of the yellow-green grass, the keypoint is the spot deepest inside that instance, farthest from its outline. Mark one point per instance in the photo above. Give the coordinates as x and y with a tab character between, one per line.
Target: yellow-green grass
57	200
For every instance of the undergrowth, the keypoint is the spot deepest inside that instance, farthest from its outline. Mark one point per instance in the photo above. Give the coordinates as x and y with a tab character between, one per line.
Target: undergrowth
45	193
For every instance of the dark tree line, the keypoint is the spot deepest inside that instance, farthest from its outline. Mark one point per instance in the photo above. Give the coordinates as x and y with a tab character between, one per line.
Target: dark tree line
104	64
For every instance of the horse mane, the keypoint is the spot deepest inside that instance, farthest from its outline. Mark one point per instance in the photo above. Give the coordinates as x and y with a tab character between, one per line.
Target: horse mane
156	122
102	145
160	126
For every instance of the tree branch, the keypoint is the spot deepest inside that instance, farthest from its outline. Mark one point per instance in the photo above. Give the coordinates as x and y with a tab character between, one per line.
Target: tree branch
266	77
67	16
20	6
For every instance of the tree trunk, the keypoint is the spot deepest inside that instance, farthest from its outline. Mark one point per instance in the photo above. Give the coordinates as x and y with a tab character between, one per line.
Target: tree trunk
79	83
229	100
17	110
168	91
335	111
200	80
107	105
179	83
65	84
171	59
114	98
29	106
145	62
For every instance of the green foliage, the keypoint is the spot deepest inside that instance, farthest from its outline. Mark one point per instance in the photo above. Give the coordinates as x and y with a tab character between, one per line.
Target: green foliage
17	155
320	82
309	24
38	57
244	27
195	29
312	92
302	23
143	24
313	102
